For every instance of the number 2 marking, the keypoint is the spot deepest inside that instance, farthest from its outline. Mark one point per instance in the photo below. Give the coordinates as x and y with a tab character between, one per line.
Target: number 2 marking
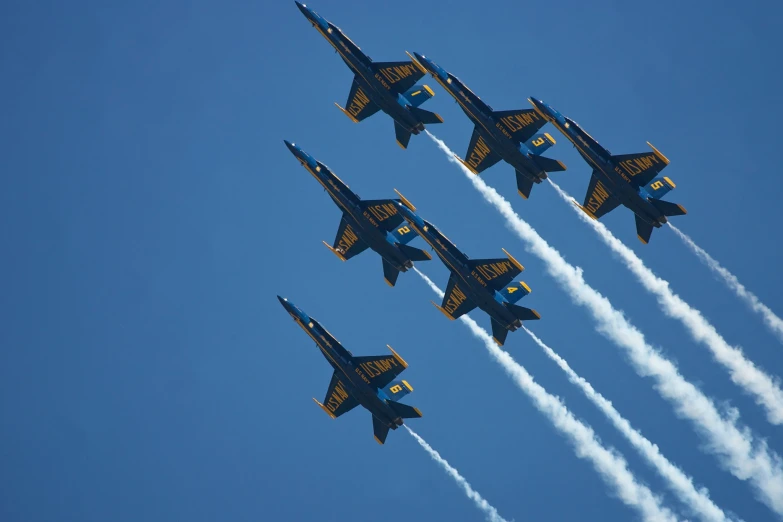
403	230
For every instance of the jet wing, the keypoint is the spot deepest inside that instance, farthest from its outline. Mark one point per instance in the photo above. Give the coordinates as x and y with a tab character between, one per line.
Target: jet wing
521	124
641	167
455	301
382	213
347	243
381	369
480	157
598	200
359	106
497	273
401	76
338	401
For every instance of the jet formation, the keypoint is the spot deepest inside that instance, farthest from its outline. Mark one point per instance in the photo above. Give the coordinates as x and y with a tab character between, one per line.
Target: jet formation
387	226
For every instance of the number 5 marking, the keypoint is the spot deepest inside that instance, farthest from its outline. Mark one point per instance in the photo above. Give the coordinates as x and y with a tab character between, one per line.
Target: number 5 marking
656	185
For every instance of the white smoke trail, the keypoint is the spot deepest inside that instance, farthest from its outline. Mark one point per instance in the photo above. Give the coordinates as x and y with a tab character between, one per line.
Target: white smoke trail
608	463
737	450
743	372
697	500
481	503
773	322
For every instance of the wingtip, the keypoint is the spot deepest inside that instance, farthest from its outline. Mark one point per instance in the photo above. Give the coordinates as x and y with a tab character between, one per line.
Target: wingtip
467	166
377	440
403	147
497	342
641	239
405	201
659	153
389	282
346	113
511	258
444	312
522	194
397	356
334	251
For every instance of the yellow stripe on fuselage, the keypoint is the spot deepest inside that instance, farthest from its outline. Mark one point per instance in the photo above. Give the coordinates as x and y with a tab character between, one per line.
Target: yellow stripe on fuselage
329	190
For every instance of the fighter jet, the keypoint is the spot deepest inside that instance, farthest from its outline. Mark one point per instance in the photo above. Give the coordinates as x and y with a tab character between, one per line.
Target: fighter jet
627	179
510	136
484	283
365	380
372	223
386	86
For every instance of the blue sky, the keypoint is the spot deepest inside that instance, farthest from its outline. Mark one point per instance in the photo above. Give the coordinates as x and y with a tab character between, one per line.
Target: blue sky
151	213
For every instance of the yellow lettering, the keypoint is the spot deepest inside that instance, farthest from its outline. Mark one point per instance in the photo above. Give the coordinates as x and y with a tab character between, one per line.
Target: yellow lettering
396	388
511	289
538	142
658	184
403	230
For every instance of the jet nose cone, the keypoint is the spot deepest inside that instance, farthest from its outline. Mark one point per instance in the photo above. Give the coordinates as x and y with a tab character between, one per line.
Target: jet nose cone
283	300
290	146
301	7
419	57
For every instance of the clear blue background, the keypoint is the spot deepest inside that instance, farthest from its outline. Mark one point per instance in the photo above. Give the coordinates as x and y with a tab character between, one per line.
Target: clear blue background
150	213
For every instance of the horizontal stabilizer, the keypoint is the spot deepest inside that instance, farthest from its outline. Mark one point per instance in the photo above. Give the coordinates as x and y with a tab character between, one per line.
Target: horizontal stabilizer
380	430
418	94
396	390
522	313
426	117
548	164
402	134
643	230
524	184
403	410
499	333
660	186
668	208
390	273
539	143
515	291
414	254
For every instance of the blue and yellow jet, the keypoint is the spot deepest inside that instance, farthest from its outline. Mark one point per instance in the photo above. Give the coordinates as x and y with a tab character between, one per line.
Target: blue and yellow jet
386	86
510	136
374	224
484	283
366	380
628	179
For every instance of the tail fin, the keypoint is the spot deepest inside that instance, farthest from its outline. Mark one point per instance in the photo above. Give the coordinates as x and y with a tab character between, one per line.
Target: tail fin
515	291
522	313
403	410
668	208
548	164
499	332
524	185
414	254
418	94
390	274
659	187
539	143
380	430
425	117
643	230
403	135
398	389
